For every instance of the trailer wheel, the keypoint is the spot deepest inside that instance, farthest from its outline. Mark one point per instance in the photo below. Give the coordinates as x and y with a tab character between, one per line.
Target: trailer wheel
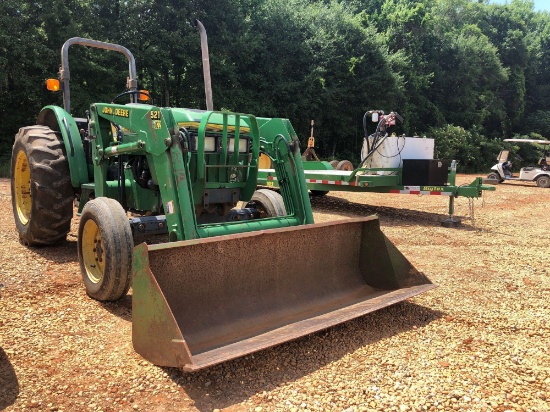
494	176
268	202
105	248
334	163
41	191
345	165
543	181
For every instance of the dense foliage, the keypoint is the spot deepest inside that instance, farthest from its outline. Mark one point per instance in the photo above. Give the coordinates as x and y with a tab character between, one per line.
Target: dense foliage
465	72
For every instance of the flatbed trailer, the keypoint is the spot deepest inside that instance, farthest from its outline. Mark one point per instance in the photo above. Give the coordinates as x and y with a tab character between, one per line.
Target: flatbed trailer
321	178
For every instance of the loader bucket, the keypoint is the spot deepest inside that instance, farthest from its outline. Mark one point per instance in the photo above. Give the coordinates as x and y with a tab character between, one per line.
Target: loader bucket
197	303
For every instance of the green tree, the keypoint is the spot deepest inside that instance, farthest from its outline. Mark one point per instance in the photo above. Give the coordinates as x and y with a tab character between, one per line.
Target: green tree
481	67
408	29
24	65
468	76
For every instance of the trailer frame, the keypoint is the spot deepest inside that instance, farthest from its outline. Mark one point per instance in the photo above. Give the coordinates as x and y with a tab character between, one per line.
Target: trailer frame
322	178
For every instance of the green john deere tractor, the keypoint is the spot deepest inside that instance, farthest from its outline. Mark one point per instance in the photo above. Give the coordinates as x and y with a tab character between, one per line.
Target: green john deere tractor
241	269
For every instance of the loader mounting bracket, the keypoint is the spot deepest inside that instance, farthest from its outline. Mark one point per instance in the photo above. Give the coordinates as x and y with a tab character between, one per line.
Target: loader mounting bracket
148	225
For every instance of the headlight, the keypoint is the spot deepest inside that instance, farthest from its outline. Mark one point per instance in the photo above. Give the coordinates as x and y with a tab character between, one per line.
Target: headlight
243	145
210	144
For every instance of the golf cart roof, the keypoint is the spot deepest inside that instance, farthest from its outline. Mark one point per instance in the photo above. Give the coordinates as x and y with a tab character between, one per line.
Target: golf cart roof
528	141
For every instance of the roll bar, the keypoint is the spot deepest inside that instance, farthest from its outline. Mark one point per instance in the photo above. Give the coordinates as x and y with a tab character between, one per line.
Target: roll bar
64	73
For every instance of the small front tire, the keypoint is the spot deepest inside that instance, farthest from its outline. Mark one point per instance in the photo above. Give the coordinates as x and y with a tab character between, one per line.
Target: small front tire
268	202
105	247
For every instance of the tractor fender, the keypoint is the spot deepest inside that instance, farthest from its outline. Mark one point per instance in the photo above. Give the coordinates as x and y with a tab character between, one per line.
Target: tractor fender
57	119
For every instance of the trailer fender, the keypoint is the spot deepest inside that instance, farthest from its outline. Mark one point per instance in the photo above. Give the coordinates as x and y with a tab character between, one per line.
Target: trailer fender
59	120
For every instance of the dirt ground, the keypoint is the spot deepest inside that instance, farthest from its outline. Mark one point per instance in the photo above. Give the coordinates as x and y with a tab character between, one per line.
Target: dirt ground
479	342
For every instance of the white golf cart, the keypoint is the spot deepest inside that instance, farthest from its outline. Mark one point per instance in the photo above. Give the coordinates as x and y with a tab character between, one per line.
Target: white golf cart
539	174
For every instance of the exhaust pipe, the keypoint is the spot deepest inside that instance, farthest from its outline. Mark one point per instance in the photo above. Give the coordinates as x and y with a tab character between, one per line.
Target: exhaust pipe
205	66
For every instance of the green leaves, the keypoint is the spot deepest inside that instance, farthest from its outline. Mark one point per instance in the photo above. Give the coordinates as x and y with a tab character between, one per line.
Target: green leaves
481	67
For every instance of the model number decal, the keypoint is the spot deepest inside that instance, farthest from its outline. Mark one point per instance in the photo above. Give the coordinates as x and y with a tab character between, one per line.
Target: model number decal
155	114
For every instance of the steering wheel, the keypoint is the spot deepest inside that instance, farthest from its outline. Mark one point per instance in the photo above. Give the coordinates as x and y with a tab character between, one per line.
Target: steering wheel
138	92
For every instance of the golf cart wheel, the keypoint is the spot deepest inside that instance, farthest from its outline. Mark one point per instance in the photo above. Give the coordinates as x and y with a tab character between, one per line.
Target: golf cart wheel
345	165
105	246
268	202
494	176
543	181
41	190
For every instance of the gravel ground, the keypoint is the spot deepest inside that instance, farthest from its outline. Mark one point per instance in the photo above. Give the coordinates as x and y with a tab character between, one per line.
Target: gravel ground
479	342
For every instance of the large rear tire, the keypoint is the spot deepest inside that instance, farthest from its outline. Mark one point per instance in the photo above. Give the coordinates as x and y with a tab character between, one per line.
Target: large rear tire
41	191
268	202
264	162
105	247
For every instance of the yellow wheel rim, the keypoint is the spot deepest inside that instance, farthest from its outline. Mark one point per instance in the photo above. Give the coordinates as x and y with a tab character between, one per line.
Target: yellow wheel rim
93	252
22	186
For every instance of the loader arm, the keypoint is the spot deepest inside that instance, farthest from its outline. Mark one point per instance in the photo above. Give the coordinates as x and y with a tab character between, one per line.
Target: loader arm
281	144
190	175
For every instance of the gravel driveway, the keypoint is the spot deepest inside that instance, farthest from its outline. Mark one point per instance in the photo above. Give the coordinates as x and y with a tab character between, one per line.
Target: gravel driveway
479	342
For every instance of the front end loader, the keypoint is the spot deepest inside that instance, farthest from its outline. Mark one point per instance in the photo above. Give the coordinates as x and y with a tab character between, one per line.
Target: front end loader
225	282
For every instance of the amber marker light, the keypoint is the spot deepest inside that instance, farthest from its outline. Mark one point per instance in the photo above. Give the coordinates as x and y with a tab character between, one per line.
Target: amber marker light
52	85
143	95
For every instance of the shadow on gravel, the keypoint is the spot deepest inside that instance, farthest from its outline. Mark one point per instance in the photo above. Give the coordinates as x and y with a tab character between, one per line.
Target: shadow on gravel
121	308
236	381
64	252
389	216
517	183
9	386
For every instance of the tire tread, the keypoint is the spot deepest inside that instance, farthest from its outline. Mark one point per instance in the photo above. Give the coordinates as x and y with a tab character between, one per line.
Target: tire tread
51	189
